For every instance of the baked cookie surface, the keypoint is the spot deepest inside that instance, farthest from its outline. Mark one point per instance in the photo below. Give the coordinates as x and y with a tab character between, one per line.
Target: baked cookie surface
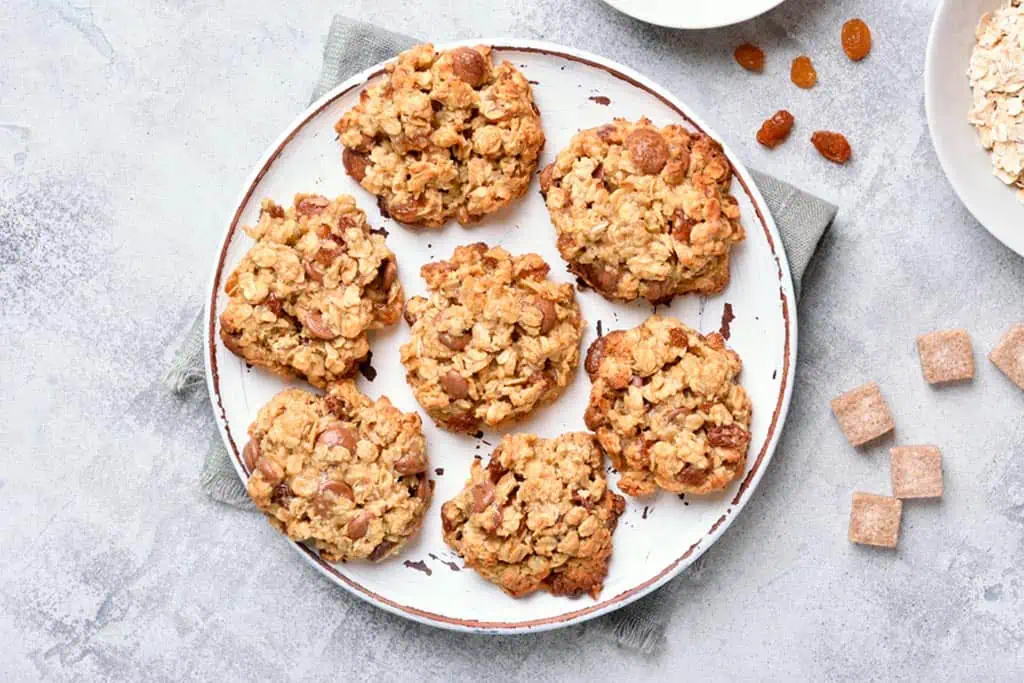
303	298
443	135
494	340
666	408
644	212
341	470
540	516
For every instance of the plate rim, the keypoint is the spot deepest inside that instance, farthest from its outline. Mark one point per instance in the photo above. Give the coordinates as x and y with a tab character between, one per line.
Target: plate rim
931	106
750	481
650	18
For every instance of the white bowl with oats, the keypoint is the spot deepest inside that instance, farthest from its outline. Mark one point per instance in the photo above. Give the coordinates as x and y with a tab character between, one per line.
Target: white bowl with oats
974	94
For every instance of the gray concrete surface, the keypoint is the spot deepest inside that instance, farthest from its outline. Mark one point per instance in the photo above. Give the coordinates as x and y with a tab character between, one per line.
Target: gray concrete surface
126	130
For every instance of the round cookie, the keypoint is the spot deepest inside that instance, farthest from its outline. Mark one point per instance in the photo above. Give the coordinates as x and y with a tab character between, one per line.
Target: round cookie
442	135
342	471
643	212
305	295
494	340
540	516
666	407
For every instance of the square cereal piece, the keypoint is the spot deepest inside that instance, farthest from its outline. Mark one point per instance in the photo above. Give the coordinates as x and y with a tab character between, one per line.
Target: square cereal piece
863	414
916	471
1009	355
946	356
875	520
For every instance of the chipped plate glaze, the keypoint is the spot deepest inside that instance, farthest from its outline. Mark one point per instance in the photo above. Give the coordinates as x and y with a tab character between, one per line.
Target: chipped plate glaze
693	13
657	538
947	97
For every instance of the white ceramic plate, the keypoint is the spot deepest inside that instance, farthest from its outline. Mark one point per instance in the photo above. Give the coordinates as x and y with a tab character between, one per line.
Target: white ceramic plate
656	538
693	13
947	94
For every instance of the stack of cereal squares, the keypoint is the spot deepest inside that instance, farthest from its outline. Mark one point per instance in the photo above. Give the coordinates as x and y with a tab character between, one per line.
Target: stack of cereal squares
915	471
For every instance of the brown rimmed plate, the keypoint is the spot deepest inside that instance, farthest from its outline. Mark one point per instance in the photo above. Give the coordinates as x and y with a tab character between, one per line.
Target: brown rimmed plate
658	537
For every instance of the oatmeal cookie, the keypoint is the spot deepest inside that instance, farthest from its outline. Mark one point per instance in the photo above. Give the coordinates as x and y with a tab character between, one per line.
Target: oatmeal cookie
443	134
342	471
538	517
642	211
666	407
494	340
303	298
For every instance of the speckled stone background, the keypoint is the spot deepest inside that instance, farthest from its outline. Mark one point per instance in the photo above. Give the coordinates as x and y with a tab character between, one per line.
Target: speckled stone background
126	130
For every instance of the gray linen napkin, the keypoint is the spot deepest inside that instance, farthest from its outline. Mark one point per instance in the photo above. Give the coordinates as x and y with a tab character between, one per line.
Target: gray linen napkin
352	46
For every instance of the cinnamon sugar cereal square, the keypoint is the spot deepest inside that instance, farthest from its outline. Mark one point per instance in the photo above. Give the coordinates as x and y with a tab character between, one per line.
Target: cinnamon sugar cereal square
1009	355
946	356
916	471
875	520
863	414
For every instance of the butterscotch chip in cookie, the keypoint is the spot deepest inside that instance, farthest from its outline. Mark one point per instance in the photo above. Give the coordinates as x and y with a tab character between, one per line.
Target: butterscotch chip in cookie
916	471
875	520
863	414
305	295
494	340
342	471
946	356
443	135
539	516
1008	356
667	409
642	211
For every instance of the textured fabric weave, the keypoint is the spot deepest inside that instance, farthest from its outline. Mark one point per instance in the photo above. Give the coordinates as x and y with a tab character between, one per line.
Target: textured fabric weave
353	46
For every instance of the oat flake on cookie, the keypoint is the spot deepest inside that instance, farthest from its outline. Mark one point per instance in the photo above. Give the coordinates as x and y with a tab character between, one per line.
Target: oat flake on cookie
997	80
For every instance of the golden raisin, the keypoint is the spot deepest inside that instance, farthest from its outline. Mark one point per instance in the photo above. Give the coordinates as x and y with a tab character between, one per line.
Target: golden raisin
775	130
750	57
856	39
832	146
802	72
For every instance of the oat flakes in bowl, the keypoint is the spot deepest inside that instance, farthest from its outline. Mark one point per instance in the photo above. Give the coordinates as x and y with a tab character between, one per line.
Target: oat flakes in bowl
997	82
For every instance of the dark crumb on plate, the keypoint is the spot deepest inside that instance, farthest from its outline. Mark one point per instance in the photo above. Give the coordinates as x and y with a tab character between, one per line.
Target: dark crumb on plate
439	471
366	368
600	99
727	318
451	565
419	566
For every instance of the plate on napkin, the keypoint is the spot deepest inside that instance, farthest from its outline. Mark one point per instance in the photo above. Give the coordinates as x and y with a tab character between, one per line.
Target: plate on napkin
657	537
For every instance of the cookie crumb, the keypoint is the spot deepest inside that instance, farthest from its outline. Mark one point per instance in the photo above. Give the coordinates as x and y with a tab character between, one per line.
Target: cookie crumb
600	99
727	318
946	356
419	566
875	520
863	414
439	471
366	368
916	472
1008	356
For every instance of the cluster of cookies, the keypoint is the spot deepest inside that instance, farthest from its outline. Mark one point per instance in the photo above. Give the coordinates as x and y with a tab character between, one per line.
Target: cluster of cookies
639	211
